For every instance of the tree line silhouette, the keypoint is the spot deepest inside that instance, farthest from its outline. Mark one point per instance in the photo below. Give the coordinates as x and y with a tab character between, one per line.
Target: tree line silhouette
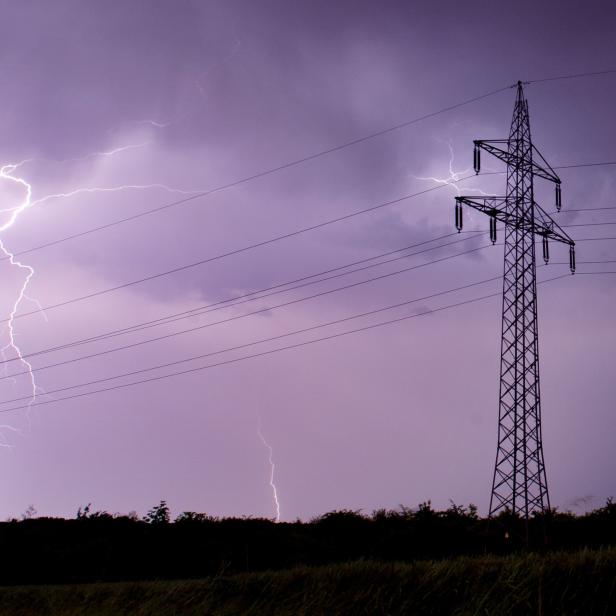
99	546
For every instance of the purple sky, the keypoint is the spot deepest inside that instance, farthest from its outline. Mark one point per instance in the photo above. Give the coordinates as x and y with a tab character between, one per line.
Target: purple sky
214	91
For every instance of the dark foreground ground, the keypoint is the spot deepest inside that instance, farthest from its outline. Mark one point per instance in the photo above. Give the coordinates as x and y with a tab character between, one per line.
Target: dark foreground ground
578	583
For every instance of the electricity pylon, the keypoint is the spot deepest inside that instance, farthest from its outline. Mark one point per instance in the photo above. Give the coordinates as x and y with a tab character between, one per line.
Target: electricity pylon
519	483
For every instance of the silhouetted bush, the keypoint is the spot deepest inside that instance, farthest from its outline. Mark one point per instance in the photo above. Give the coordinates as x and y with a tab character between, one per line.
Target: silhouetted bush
159	514
99	546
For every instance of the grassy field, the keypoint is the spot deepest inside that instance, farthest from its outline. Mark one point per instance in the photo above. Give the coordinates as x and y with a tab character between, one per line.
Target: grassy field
581	583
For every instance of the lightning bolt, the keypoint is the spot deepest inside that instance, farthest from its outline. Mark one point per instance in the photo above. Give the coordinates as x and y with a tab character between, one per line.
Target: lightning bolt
7	173
112	189
272	466
105	154
454	176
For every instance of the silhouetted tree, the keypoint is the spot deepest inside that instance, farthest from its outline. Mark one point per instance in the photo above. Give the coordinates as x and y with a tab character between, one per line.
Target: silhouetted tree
425	512
159	514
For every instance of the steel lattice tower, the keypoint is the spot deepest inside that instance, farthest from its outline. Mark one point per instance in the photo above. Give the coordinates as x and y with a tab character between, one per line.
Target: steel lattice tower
519	483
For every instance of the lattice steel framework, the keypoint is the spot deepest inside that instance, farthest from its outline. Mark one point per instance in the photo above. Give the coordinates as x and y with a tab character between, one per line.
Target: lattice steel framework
519	483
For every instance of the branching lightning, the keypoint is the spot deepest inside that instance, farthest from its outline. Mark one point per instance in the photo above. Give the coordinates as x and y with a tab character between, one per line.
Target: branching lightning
7	173
111	189
272	467
454	176
10	168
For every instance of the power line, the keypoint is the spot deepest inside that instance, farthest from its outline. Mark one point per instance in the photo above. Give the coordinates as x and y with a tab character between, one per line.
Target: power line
594	239
584	263
282	336
229	253
268	308
269	339
263	353
237	317
573	76
599	164
254	295
590	224
270	352
226	254
606	163
589	209
226	303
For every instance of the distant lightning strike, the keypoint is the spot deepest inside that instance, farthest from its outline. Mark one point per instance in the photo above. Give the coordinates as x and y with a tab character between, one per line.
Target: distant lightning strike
454	176
272	467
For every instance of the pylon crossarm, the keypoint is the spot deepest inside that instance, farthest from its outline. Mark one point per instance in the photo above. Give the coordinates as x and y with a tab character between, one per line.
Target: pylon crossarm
547	173
493	206
547	166
545	221
542	225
